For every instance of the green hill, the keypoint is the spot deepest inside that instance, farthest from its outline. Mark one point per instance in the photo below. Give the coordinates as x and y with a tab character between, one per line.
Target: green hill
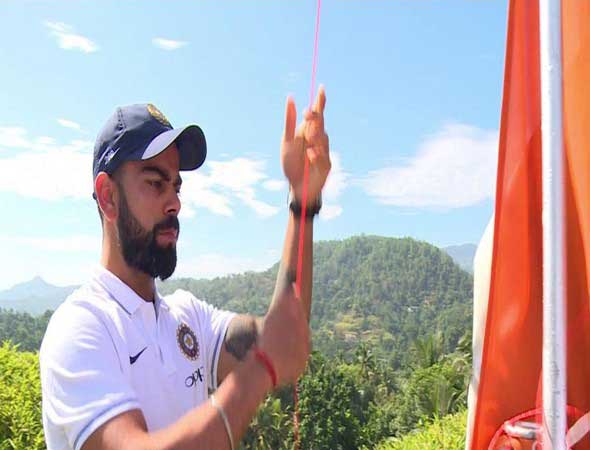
386	292
382	292
381	368
23	329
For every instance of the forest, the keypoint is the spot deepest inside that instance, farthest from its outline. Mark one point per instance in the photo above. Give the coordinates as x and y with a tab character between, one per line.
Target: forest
391	325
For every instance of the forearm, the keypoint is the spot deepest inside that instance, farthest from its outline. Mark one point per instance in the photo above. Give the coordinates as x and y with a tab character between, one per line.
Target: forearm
288	267
203	428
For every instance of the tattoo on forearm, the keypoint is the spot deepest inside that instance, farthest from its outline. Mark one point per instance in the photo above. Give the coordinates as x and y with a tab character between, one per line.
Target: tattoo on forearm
241	335
285	279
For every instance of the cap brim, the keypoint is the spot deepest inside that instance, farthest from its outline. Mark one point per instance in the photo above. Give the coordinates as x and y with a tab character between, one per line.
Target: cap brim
190	142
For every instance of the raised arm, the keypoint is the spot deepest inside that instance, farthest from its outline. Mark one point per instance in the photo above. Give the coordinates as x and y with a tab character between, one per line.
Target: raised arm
308	140
283	334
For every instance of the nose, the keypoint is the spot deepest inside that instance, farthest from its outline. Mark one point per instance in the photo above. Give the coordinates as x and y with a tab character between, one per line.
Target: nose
173	204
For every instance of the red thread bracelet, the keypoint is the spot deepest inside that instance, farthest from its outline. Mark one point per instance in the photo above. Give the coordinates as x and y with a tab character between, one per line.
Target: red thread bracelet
263	358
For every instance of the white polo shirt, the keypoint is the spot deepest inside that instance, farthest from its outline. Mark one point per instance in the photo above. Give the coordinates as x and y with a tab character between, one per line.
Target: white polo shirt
107	351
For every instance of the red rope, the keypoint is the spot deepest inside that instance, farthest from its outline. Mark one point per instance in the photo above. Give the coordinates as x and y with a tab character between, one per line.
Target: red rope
303	217
306	164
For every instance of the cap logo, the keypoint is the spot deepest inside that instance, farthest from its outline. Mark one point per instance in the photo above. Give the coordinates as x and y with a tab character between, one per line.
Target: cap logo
157	114
109	155
187	342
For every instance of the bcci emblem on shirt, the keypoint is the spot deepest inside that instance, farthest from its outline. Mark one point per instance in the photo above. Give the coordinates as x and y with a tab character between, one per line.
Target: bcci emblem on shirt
187	341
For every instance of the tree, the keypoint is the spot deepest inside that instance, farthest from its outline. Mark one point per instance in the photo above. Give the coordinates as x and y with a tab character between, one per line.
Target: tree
329	408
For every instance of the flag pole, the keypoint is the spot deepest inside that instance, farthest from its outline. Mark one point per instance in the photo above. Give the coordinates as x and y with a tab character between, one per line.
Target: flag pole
554	343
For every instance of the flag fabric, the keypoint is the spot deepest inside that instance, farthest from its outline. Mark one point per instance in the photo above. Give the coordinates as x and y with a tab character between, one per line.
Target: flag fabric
506	384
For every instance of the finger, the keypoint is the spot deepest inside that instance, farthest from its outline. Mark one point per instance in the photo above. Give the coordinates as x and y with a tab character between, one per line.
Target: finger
316	137
314	124
312	154
320	102
318	161
290	119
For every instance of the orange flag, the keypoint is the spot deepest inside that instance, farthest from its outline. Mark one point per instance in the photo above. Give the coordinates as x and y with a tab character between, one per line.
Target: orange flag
576	110
508	383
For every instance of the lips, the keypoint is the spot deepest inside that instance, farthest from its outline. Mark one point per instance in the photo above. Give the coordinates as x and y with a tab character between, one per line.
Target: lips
169	233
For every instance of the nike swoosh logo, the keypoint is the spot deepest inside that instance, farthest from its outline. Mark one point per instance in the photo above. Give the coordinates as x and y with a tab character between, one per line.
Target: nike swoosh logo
132	359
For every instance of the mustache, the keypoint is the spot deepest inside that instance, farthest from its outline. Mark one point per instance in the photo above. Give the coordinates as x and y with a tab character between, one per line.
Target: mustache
167	223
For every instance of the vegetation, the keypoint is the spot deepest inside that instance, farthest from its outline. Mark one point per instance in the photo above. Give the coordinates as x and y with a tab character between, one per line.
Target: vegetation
20	400
446	433
23	329
383	368
385	292
342	405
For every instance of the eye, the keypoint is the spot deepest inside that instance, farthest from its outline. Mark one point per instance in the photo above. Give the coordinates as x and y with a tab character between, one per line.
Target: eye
156	184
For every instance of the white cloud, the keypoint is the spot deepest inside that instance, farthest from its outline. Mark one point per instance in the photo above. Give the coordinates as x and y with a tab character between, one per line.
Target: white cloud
213	265
168	44
238	174
329	212
69	244
226	183
68	39
335	185
275	185
454	168
238	180
261	208
198	192
69	124
43	169
17	138
186	212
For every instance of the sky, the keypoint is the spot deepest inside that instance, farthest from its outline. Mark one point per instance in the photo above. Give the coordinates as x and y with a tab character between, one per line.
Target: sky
413	106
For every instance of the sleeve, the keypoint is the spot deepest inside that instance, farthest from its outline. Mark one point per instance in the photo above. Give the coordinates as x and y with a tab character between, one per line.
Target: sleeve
82	380
214	323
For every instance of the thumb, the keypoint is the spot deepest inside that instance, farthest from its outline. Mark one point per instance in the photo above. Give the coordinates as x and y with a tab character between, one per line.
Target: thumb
290	119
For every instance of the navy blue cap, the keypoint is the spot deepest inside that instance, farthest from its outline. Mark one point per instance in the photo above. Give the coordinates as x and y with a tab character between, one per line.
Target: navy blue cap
140	132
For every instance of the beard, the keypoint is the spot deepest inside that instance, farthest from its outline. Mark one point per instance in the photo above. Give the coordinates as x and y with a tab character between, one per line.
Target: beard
139	246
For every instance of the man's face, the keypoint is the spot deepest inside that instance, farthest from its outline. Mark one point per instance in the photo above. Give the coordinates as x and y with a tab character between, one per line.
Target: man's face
148	208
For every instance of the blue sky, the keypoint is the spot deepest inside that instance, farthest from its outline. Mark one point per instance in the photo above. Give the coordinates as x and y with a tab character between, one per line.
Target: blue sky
414	94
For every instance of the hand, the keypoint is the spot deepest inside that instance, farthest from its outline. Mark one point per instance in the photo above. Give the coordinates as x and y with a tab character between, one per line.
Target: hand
308	141
285	336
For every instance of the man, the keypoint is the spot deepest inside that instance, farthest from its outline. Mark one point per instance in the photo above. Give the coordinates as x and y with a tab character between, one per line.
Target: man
124	368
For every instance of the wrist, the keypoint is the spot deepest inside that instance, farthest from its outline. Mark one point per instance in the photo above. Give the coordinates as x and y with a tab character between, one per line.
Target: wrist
256	371
266	363
313	205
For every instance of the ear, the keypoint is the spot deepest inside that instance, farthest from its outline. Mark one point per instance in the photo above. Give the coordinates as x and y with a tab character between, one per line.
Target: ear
106	192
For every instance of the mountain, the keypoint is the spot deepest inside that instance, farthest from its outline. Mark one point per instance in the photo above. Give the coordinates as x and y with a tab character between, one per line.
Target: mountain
34	296
463	255
385	292
373	298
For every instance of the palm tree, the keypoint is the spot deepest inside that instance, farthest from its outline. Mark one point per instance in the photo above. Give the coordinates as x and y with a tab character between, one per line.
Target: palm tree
428	350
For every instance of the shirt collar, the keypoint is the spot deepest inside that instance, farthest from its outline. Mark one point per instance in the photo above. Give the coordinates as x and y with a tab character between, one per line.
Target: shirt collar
126	297
161	301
